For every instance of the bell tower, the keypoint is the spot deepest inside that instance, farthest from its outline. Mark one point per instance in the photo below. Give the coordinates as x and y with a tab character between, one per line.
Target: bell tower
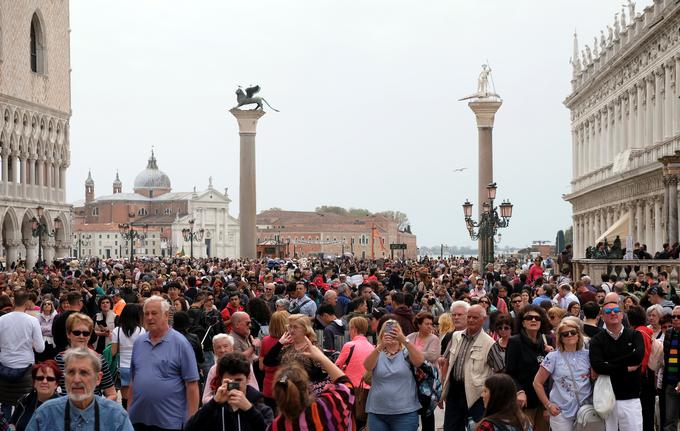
117	185
89	188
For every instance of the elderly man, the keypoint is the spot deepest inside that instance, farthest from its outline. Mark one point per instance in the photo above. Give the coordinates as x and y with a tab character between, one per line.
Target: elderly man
565	296
618	353
671	373
81	409
222	344
164	375
462	391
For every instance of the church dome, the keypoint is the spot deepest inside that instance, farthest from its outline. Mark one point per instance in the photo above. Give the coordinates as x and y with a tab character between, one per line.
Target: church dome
152	177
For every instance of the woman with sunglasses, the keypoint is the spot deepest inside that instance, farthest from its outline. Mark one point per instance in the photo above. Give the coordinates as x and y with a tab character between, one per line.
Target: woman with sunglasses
78	331
569	367
524	355
46	377
502	330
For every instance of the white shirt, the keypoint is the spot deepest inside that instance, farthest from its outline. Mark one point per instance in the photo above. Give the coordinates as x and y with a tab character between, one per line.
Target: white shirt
563	302
20	334
125	344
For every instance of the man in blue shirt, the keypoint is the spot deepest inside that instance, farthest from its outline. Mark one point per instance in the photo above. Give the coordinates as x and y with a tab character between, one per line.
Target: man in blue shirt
81	410
544	293
164	387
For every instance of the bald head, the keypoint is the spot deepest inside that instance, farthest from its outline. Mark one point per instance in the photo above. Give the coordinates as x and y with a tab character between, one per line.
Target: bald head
612	297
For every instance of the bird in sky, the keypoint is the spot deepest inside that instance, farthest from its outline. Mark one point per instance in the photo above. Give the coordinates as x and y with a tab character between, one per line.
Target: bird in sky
459	169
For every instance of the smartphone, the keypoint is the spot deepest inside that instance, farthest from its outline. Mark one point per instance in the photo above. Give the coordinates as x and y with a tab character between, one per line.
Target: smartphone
389	327
233	385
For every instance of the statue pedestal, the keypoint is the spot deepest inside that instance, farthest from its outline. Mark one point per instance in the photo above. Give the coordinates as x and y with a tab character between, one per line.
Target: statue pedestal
485	111
247	125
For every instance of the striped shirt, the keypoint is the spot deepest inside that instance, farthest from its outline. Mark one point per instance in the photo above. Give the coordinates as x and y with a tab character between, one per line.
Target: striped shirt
107	379
457	369
671	372
331	411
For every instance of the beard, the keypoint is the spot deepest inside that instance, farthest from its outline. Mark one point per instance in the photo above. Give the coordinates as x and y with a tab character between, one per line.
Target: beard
80	397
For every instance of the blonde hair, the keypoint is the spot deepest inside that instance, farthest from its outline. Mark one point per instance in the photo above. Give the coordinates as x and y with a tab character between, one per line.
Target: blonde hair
306	322
558	312
77	318
278	323
445	323
569	323
360	324
384	326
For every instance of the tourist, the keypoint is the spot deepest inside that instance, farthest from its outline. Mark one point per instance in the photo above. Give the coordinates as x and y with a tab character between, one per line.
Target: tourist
354	352
501	409
46	377
301	303
427	342
591	314
569	368
278	325
502	330
123	338
671	374
164	374
637	318
81	406
392	402
46	319
654	314
104	323
332	326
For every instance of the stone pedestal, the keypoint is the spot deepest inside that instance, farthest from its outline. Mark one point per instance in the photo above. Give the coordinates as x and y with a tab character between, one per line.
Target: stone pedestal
485	111
247	125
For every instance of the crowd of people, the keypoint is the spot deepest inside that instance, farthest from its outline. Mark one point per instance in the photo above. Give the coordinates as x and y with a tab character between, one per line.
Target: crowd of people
335	345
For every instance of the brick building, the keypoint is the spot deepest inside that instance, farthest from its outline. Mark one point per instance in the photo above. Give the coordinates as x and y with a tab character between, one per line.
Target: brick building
309	233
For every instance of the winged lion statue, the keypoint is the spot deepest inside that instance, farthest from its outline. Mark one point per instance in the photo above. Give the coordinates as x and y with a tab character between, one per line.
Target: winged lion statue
249	98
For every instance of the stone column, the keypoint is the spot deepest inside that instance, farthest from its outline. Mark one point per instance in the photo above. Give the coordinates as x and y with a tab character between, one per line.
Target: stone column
658	223
247	125
649	121
582	150
31	252
658	106
640	135
12	251
625	103
603	221
602	133
616	132
673	208
668	101
574	153
632	101
596	224
631	220
665	215
485	113
649	227
676	97
48	251
574	234
639	222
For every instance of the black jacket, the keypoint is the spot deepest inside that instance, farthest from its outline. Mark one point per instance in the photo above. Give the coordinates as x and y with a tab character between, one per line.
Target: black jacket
25	408
613	357
214	416
522	359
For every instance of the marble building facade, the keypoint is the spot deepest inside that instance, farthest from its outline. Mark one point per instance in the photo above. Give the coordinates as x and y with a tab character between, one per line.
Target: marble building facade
35	109
625	125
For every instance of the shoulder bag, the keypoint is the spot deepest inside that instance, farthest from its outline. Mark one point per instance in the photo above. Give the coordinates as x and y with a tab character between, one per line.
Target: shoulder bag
587	418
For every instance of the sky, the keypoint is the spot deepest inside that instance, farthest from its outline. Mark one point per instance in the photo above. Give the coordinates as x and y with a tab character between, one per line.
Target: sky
368	92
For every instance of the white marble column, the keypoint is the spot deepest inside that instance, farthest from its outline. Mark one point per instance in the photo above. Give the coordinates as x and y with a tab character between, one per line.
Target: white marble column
649	107
604	140
617	127
632	102
658	106
639	222
596	225
596	143
668	100
676	97
574	154
640	128
625	103
673	208
665	205
575	232
631	220
658	223
610	132
649	228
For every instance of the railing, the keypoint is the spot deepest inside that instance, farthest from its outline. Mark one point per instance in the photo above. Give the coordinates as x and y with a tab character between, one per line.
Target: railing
623	269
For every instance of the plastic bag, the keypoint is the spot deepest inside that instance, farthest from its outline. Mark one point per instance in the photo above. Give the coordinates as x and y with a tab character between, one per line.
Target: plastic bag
603	396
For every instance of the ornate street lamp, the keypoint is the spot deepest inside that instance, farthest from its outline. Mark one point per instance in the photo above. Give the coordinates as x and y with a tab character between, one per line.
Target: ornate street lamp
191	235
39	229
489	223
82	240
129	233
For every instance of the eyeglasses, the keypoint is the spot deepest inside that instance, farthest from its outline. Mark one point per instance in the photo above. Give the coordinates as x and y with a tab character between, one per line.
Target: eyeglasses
516	301
504	328
533	317
675	316
48	378
611	310
571	333
81	333
483	302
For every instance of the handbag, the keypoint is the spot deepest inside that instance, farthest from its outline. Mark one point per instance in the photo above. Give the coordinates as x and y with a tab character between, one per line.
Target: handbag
603	396
360	399
587	418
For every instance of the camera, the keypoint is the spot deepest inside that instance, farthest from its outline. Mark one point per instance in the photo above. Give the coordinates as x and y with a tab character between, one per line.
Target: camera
431	301
233	385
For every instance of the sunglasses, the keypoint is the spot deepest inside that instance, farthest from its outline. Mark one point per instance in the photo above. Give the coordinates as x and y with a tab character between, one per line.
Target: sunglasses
516	301
571	333
532	317
675	317
504	328
611	310
483	302
48	378
81	333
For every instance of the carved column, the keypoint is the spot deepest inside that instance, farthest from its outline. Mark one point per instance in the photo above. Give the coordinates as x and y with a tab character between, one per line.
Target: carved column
649	228
625	103
12	251
604	140
658	105
649	121
658	223
632	102
617	127
575	231
640	128
668	100
574	153
596	142
639	222
665	215
31	252
48	251
631	219
603	220
676	96
673	208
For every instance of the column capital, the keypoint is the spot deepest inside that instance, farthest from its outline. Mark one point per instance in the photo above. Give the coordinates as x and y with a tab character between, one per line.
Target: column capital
247	119
32	242
485	111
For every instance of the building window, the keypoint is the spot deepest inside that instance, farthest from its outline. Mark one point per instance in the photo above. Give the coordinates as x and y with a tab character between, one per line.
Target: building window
108	236
100	236
37	45
142	212
95	211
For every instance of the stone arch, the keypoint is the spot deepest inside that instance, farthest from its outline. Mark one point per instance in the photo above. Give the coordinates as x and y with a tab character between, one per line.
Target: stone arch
29	243
38	43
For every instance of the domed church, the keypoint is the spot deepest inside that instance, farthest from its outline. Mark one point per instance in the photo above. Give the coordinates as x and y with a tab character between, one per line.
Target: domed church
160	214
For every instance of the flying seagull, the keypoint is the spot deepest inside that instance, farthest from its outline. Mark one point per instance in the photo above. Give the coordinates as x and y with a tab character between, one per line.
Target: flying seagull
459	169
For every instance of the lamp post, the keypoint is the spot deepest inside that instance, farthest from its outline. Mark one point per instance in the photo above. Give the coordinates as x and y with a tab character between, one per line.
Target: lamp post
129	233
82	240
488	224
191	235
39	229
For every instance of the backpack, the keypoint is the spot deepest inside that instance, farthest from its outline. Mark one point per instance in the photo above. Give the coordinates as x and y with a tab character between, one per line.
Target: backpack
295	309
428	385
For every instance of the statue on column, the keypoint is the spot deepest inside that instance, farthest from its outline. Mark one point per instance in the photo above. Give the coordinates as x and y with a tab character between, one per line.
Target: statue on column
589	54
631	10
595	51
249	98
483	81
623	18
617	29
603	41
610	38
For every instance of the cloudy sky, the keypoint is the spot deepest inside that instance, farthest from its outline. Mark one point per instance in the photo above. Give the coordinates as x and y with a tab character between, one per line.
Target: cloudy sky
368	92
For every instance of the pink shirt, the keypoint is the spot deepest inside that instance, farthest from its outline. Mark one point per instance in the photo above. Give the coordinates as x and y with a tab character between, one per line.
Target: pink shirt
355	369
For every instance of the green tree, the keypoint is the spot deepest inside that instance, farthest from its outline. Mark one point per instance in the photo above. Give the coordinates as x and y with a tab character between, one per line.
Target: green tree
569	236
359	212
559	242
397	216
330	209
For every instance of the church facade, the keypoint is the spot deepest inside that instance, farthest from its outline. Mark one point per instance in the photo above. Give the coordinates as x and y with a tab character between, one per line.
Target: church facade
625	126
35	108
152	208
